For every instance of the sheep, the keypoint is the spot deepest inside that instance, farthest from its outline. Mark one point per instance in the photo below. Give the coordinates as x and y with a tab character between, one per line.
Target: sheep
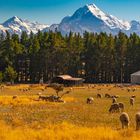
42	89
132	101
14	97
51	98
116	96
137	117
128	89
39	93
44	98
107	96
124	118
90	100
99	96
114	100
24	90
61	101
114	108
133	96
121	106
134	89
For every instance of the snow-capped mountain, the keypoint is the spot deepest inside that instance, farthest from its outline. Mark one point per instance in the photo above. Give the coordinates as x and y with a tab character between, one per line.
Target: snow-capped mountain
88	18
17	25
91	19
53	28
135	27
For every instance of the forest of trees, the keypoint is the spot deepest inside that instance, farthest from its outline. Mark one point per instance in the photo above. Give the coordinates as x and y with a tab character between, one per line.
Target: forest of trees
98	58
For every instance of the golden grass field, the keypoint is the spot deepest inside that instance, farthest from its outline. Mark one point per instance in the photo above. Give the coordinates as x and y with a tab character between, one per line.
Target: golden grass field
25	118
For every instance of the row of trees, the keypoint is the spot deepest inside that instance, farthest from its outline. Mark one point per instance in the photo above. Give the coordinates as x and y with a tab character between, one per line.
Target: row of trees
95	57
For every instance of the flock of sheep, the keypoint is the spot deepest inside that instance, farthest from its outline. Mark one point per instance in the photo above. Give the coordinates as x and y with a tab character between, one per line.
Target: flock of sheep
119	107
115	107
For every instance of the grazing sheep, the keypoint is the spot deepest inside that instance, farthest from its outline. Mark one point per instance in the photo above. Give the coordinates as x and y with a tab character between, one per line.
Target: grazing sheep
121	106
116	96
42	89
134	89
14	97
67	92
39	93
99	96
137	121
128	89
124	118
24	90
90	100
107	96
114	100
114	108
132	100
133	96
61	101
51	98
44	98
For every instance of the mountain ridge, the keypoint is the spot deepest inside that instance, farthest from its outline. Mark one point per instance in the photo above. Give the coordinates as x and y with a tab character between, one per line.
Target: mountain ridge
87	18
18	25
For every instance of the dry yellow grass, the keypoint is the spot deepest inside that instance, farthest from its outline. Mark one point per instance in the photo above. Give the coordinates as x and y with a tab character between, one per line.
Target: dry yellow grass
27	118
65	131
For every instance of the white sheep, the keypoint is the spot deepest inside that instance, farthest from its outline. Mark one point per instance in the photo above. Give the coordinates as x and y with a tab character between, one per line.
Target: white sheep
132	100
121	106
90	100
14	97
114	108
99	95
137	117
39	94
114	100
124	118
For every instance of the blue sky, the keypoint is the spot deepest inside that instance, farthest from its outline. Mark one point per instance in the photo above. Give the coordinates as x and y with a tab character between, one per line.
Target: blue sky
52	11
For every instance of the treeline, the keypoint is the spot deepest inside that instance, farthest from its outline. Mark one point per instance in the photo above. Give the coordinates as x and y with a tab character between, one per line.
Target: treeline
98	58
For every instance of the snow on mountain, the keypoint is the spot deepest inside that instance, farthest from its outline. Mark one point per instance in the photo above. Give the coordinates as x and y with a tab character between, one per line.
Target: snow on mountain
110	20
53	28
88	18
91	19
135	28
17	25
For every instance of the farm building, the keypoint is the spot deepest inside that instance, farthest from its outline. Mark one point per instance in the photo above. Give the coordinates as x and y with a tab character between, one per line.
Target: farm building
67	80
135	78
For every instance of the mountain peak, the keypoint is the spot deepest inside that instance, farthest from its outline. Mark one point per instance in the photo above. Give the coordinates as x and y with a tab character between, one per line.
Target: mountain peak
13	21
97	12
111	21
92	5
15	18
17	25
91	19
